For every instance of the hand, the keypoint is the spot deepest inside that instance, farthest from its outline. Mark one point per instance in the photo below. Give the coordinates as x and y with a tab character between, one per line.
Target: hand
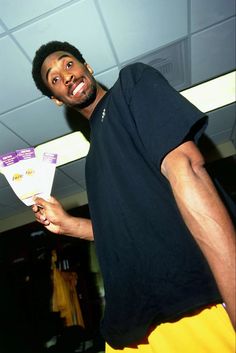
50	213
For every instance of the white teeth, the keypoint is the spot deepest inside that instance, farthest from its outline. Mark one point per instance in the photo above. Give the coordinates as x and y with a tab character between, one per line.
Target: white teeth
80	85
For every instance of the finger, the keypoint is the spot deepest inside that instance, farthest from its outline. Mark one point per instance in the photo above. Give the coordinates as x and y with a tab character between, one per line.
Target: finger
35	208
40	202
44	222
42	217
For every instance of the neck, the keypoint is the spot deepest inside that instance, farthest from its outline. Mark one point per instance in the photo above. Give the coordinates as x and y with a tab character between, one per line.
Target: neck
87	112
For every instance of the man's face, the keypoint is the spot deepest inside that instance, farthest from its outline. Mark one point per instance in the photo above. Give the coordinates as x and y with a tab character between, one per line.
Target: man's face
70	81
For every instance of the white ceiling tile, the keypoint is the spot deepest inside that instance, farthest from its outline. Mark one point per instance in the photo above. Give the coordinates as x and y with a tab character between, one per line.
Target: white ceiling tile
1	29
221	119
67	190
9	141
6	211
220	138
15	73
81	27
138	26
37	122
213	51
233	133
62	179
76	170
9	198
25	10
63	184
171	61
3	181
108	78
205	13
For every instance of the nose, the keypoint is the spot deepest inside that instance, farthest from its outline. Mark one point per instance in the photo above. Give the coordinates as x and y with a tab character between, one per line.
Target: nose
68	78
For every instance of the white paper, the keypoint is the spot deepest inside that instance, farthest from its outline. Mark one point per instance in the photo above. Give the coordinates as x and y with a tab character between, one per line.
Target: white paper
27	175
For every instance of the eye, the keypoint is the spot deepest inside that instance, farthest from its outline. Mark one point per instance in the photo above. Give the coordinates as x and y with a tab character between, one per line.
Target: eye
55	80
69	64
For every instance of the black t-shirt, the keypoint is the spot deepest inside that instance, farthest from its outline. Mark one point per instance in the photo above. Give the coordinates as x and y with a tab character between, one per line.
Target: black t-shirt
153	270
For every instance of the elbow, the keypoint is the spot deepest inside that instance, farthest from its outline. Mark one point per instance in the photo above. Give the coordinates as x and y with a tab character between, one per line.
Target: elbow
198	166
184	160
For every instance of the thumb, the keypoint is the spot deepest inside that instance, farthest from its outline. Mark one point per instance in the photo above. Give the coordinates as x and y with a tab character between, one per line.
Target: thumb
39	201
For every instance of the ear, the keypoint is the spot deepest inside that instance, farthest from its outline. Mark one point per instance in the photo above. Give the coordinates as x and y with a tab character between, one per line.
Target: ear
57	101
89	68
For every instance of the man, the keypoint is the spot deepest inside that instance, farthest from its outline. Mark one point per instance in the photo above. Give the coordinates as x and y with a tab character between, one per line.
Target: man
156	216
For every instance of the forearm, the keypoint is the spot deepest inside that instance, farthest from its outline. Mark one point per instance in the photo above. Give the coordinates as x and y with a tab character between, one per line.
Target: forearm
78	227
210	225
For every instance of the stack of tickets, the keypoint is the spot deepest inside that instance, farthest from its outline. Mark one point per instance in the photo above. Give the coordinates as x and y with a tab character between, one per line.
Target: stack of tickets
27	175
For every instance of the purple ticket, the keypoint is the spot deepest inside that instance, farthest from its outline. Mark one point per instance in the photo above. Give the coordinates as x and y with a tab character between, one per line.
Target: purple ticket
9	159
25	153
50	157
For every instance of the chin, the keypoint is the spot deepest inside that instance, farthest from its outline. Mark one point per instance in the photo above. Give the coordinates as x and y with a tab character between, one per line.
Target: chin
88	99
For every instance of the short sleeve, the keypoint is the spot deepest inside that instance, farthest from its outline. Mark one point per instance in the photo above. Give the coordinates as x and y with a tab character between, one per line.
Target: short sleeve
163	117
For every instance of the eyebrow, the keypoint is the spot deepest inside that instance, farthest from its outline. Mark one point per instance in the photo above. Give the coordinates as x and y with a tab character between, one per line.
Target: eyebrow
58	59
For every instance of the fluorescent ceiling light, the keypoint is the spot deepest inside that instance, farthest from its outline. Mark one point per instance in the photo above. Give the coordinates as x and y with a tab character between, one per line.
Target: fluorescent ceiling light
68	148
213	94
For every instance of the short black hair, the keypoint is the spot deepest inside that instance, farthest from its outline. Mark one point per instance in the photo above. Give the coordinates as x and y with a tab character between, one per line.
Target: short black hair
42	53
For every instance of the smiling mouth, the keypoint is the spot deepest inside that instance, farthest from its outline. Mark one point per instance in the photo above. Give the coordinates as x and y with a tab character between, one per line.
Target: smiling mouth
78	88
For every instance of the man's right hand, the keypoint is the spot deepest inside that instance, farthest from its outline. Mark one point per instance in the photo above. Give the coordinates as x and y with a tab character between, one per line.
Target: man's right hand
53	216
50	213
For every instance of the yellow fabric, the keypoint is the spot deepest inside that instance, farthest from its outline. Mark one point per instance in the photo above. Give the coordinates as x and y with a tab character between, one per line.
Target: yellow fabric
64	298
209	331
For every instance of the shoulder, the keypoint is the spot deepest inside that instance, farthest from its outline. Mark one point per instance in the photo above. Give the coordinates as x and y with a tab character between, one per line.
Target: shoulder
136	70
136	74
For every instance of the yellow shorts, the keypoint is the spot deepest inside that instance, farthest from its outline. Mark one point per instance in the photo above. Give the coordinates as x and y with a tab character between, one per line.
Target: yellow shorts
209	331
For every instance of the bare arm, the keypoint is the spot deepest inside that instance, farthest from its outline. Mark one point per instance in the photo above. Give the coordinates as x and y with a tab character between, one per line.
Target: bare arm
205	216
52	215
